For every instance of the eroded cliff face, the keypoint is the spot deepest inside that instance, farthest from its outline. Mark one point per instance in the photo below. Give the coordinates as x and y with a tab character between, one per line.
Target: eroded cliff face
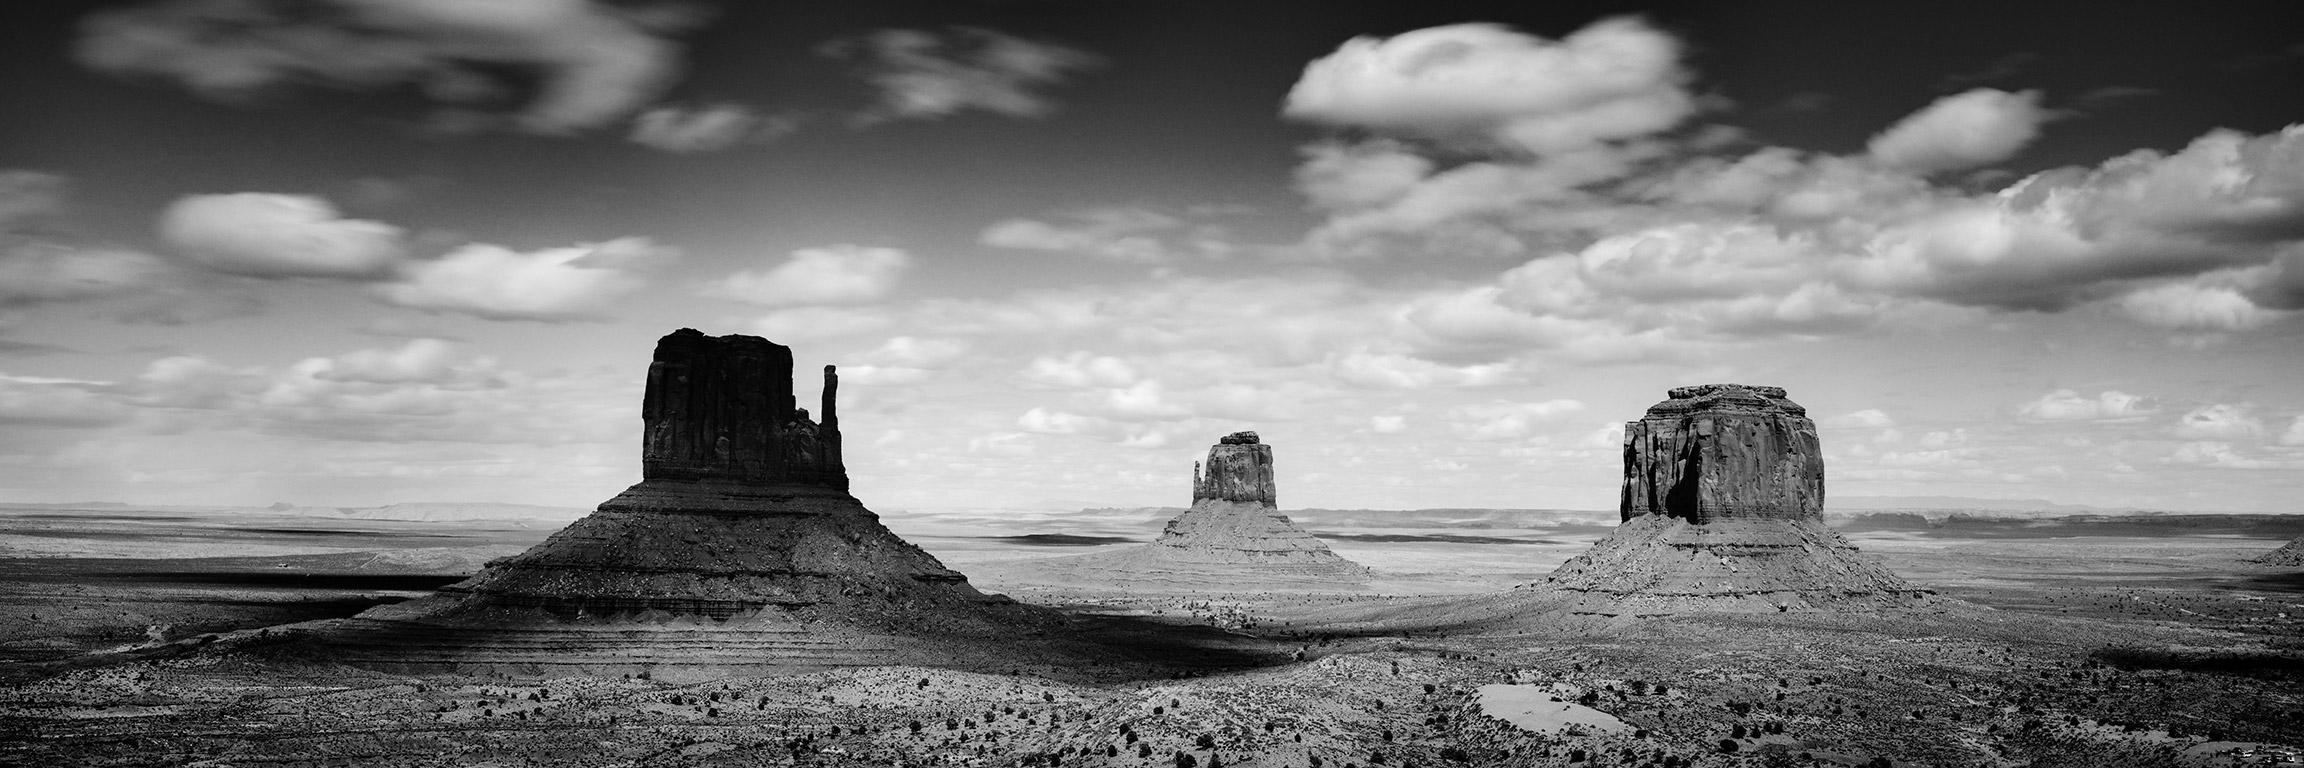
1723	502
722	409
1719	451
1239	468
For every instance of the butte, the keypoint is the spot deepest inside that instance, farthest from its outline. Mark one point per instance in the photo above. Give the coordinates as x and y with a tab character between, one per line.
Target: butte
1723	511
740	551
1232	539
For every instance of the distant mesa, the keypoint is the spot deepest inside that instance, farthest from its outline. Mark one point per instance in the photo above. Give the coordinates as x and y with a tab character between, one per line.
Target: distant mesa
739	551
1232	539
1722	510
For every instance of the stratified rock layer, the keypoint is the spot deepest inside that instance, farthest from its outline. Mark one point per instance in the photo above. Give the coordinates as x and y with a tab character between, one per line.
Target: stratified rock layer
1719	451
1232	539
2288	556
740	551
1723	511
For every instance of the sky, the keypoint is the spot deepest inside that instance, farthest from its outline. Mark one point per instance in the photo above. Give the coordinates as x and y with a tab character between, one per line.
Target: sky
357	252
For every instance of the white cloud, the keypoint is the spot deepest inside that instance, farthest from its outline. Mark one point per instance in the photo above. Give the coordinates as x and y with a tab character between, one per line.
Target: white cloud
1117	234
2220	455
1341	176
2294	435
1869	418
269	235
2219	421
2070	405
585	64
49	402
924	76
551	285
1964	130
1080	369
1615	79
708	128
1501	420
2193	307
829	275
1396	371
1695	261
1388	424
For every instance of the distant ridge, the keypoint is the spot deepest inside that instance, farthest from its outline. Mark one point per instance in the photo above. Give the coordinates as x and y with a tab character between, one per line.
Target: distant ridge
1853	503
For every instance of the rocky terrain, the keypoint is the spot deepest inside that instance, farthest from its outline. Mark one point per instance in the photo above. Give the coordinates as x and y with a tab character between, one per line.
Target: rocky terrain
2290	555
1233	535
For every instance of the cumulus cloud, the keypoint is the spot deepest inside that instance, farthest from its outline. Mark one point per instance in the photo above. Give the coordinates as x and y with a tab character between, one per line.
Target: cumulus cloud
594	62
1964	130
2192	307
550	285
925	76
2219	421
708	128
830	275
2070	405
2294	435
270	235
1613	80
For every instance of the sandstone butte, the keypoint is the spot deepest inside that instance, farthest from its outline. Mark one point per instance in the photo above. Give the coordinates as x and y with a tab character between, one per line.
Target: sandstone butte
740	551
1232	539
1722	507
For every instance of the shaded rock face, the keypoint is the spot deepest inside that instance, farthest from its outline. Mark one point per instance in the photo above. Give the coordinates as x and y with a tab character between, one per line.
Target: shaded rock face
1720	451
722	408
740	551
1723	511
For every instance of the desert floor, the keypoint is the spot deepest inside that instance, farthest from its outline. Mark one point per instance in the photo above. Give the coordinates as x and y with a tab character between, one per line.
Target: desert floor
2053	647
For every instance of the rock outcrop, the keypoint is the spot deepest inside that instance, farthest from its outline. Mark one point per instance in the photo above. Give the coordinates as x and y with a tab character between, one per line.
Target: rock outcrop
2288	556
1232	539
1722	510
739	551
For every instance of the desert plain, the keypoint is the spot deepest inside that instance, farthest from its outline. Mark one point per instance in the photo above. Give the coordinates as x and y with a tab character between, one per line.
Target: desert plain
138	636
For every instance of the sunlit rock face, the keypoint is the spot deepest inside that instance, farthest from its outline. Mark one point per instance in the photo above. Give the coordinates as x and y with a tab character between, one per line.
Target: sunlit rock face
1239	468
739	551
1724	451
1722	510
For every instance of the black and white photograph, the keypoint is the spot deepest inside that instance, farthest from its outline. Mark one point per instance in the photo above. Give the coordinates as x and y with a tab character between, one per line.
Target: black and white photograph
1139	384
